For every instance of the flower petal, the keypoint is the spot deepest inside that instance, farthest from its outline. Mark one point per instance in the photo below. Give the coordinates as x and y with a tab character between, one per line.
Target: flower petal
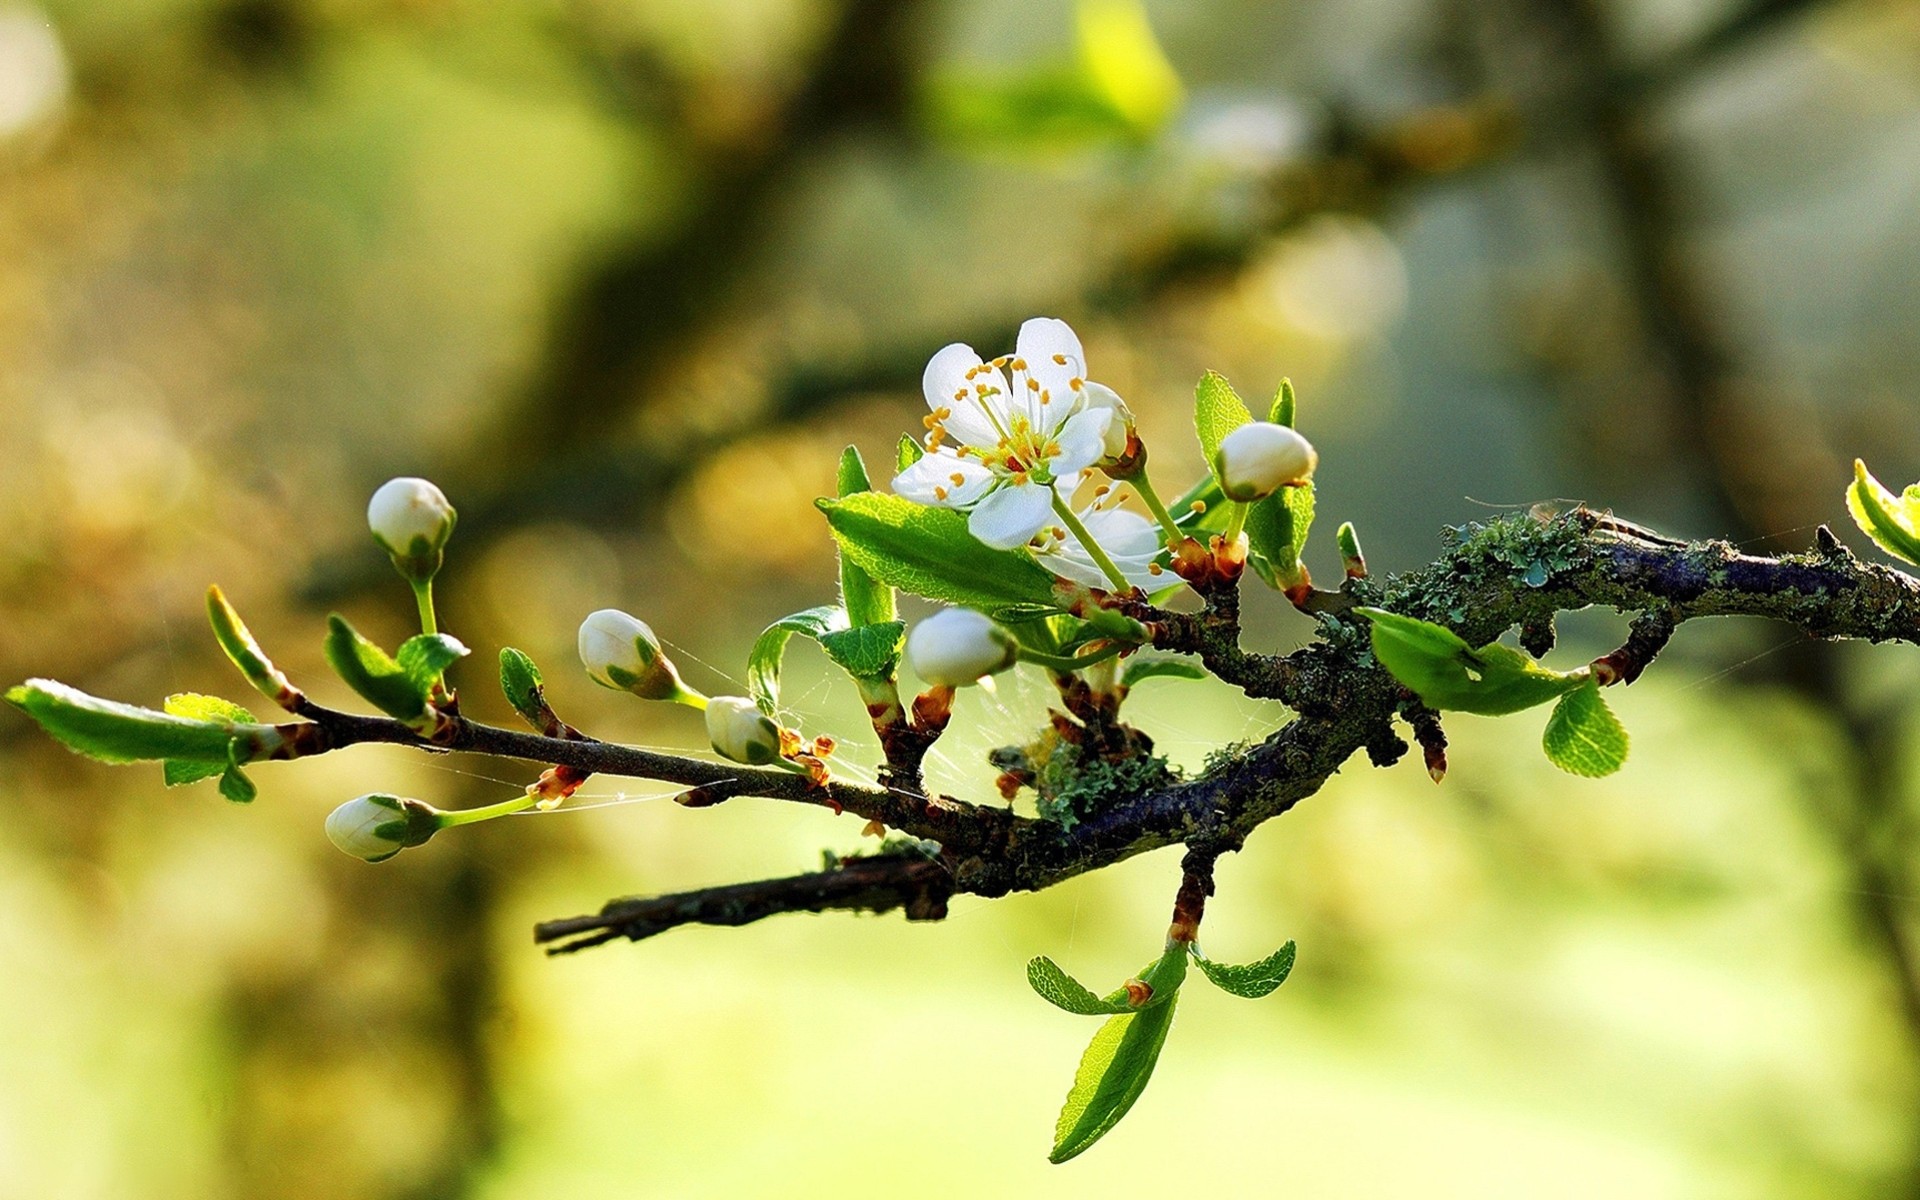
932	480
1083	441
1129	539
1122	532
950	382
1054	360
1012	514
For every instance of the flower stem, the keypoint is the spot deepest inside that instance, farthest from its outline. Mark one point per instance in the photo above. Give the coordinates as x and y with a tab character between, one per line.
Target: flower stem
1144	487
423	596
1062	662
1236	521
1099	556
469	816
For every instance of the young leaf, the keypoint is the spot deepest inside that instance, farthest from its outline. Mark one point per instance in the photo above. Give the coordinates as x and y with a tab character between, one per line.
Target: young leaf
1449	675
1138	669
237	640
1284	405
763	662
118	733
867	600
907	453
1583	736
520	681
1277	532
1893	522
928	551
235	786
368	671
425	657
1217	411
1118	1063
1063	991
1253	980
196	707
866	651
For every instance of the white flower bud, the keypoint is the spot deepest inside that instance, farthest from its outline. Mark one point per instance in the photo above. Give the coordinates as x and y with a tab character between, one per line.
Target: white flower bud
374	828
740	731
412	520
1259	458
1120	429
619	651
956	646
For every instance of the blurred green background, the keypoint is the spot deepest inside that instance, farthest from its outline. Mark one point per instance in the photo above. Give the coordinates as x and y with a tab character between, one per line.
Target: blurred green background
623	275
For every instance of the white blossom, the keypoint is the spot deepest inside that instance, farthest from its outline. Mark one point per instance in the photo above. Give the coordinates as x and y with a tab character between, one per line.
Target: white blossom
1129	539
1021	429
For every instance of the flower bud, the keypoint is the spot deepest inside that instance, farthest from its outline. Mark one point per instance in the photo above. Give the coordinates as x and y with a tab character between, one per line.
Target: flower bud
412	521
620	652
374	828
1259	458
956	646
740	731
1120	430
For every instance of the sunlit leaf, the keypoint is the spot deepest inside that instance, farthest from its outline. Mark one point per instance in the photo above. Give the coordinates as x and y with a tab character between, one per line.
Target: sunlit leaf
1277	529
368	670
1893	522
1253	980
1063	991
1139	668
1118	1064
763	661
1583	737
118	733
521	683
866	651
928	551
1447	674
425	657
1217	411
867	600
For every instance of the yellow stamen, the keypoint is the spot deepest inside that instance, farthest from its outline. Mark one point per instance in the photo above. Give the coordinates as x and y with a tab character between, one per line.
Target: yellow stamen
1060	359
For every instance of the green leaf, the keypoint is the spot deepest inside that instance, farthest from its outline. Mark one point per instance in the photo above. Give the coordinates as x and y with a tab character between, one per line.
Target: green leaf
1119	1062
1277	529
867	651
1217	411
118	733
235	786
1449	675
928	551
1063	991
1284	405
195	707
1139	668
908	453
867	600
238	642
1893	522
1583	736
367	670
523	686
425	657
1253	980
763	662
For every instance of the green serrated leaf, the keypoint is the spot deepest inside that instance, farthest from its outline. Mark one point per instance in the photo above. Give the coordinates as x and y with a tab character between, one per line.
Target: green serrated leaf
1116	1067
368	670
1449	675
1139	668
1893	522
118	733
1253	980
1063	991
866	599
907	453
425	657
763	662
928	551
1277	530
178	772
1583	737
1284	405
1217	411
867	651
521	683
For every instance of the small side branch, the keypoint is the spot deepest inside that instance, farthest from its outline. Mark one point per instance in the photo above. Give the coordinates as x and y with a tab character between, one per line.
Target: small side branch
920	886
